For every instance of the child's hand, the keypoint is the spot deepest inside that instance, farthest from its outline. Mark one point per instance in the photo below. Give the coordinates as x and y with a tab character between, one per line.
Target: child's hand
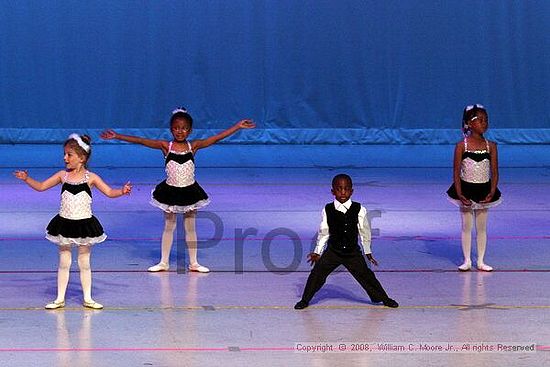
464	200
246	124
127	188
312	258
488	198
372	260
108	134
22	175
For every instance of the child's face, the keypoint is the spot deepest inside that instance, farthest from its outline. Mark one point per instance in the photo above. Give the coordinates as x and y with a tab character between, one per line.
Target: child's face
180	129
479	123
342	190
72	159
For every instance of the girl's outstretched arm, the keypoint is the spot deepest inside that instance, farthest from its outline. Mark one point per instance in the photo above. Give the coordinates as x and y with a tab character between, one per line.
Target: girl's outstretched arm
151	143
243	124
107	190
37	185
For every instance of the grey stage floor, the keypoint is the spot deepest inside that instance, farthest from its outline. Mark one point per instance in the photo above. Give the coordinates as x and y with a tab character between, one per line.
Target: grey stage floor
256	233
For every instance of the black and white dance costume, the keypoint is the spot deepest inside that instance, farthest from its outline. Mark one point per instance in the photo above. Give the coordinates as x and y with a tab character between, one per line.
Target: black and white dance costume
475	179
179	193
75	225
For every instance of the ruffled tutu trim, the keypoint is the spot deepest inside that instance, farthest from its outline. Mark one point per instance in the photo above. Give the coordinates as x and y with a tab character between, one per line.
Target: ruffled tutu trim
475	206
73	242
177	208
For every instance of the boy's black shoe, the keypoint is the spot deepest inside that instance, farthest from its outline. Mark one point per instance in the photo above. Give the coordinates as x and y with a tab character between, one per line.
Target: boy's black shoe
391	303
301	305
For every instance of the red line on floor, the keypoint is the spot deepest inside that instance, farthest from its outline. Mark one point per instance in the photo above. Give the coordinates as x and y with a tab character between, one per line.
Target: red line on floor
226	349
267	271
386	238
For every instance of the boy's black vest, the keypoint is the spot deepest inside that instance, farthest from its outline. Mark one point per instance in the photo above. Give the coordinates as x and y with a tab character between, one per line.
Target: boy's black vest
343	229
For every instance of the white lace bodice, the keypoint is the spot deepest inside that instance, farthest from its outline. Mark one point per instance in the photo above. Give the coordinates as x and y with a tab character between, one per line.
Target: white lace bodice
476	165
180	167
76	200
475	172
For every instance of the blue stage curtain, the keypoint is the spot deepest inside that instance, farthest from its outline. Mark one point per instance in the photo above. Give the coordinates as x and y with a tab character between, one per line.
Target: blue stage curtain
309	64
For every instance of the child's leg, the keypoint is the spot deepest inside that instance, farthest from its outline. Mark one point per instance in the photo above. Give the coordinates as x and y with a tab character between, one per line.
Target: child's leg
357	266
84	253
466	237
166	242
167	237
481	236
85	272
191	240
318	276
63	272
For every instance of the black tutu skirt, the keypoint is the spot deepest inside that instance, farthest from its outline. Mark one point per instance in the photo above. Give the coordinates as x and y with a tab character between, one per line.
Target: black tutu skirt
75	232
476	192
172	199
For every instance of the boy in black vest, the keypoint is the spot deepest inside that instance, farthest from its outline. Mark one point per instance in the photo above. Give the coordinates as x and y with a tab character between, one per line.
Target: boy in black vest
343	221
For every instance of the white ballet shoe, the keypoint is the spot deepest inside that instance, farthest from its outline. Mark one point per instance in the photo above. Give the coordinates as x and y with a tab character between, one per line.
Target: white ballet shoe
198	268
92	304
55	305
466	266
159	267
484	267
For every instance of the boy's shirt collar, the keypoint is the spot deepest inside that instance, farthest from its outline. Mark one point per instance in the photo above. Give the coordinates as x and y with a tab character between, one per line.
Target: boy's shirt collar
342	207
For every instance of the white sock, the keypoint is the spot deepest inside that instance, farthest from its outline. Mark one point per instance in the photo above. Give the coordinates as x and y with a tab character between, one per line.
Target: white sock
85	272
481	231
63	272
167	237
191	236
466	234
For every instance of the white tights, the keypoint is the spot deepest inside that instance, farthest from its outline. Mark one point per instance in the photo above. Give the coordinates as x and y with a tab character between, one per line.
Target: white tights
481	233
168	236
63	272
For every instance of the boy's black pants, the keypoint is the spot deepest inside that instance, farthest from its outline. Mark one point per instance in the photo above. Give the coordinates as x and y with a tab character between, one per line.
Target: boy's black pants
356	265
